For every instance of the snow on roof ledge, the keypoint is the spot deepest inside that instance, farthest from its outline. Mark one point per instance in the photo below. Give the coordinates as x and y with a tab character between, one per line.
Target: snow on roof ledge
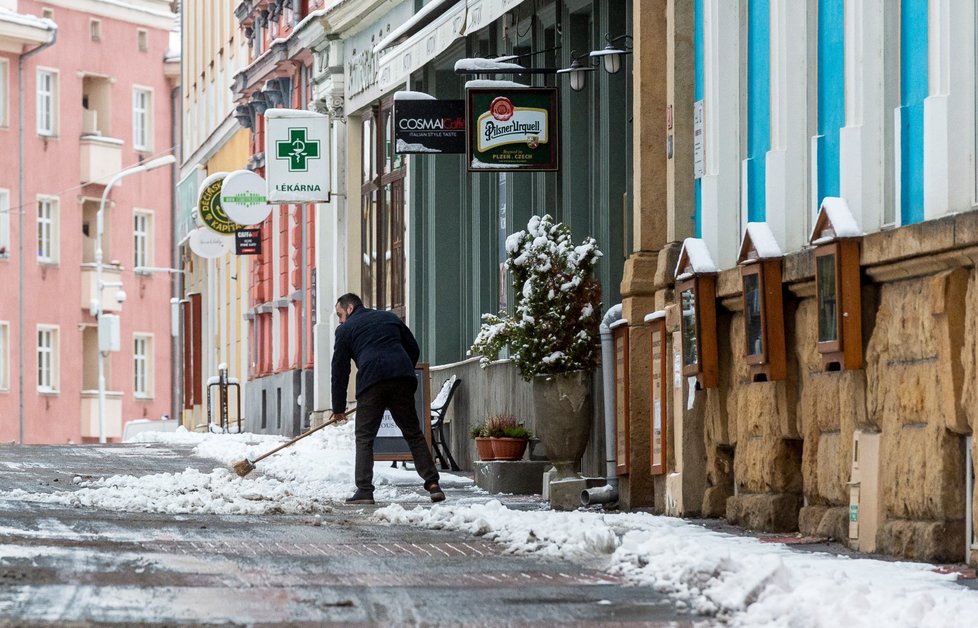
654	316
696	251
763	240
409	95
292	113
487	66
485	83
840	217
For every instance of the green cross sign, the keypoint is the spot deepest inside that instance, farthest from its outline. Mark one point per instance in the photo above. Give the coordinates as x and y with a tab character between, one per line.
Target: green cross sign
298	149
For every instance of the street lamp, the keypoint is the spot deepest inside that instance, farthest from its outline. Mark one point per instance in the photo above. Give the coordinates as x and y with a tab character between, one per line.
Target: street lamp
96	304
577	71
611	55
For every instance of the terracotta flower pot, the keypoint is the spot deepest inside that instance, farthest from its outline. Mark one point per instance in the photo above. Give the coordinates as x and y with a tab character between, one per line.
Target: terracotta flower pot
508	448
483	445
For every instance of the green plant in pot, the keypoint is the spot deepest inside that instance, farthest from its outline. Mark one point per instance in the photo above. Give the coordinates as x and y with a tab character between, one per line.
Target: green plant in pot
507	437
483	444
552	334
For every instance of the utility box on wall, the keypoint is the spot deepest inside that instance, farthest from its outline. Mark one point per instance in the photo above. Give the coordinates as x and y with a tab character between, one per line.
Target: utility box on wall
864	511
108	333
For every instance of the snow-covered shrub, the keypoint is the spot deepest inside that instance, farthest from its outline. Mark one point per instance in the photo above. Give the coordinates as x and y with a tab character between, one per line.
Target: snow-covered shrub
554	328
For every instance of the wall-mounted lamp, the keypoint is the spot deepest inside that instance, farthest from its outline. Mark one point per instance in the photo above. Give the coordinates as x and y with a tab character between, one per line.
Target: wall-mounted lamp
577	72
611	55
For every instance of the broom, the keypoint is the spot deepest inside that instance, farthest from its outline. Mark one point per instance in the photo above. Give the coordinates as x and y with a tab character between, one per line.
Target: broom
244	467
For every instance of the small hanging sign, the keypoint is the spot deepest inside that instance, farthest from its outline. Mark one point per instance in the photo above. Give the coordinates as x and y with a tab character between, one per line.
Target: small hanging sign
247	241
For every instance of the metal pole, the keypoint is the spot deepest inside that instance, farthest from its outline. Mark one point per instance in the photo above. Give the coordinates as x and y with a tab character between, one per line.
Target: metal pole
96	305
20	220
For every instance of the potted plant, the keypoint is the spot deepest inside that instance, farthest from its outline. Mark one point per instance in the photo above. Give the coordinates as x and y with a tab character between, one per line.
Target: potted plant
552	334
483	444
512	444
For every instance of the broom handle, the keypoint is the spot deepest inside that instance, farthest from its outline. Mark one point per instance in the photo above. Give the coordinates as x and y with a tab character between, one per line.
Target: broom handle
296	439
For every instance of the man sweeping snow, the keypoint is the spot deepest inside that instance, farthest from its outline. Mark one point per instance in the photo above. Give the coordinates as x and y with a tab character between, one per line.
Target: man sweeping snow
385	352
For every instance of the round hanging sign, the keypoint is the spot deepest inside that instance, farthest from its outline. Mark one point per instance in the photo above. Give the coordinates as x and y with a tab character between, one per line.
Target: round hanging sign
243	197
208	244
209	208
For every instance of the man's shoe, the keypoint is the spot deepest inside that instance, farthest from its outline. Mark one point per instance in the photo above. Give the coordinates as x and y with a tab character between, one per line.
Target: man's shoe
364	497
436	493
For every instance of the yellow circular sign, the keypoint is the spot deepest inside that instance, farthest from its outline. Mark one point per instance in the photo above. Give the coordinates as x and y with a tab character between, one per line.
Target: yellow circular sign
210	210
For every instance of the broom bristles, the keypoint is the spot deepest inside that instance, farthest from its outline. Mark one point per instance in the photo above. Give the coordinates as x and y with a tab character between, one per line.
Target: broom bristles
244	467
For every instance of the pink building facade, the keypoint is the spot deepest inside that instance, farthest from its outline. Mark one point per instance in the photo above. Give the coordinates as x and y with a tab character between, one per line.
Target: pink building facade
97	101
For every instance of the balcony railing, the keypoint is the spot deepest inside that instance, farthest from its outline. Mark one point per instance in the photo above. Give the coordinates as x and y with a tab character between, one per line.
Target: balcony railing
89	414
101	157
110	275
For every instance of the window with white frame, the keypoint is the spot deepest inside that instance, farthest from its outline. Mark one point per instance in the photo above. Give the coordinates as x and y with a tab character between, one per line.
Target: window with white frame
4	92
95	29
47	230
47	358
142	239
4	224
47	102
142	365
142	40
141	121
4	355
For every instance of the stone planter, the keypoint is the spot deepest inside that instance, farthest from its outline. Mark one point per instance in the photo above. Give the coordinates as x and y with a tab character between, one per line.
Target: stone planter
483	446
508	448
562	404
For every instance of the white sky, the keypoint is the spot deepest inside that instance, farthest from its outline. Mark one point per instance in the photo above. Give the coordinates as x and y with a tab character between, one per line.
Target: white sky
739	579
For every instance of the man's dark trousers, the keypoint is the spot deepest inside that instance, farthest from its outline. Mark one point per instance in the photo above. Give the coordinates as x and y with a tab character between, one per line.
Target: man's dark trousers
396	395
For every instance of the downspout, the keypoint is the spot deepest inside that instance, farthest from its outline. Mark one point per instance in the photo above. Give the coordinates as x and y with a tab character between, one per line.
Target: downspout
176	288
607	494
53	29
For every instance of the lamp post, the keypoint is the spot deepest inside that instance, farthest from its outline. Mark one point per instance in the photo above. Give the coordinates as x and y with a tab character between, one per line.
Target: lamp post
96	304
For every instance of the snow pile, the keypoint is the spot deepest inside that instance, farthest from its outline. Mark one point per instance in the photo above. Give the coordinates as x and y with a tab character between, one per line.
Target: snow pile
303	478
744	581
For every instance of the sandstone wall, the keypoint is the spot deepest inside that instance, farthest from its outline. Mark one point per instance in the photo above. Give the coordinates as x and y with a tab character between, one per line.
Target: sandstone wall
770	445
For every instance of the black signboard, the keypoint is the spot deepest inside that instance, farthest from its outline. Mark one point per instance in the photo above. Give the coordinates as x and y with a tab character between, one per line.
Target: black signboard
247	241
389	444
512	128
429	126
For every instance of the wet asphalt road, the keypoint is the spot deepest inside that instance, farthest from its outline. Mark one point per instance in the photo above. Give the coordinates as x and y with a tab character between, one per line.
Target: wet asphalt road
73	566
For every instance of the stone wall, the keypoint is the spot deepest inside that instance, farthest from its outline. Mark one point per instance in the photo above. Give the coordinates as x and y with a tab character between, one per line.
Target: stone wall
779	455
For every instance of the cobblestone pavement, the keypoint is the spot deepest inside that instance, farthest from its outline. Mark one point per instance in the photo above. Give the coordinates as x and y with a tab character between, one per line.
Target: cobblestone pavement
74	566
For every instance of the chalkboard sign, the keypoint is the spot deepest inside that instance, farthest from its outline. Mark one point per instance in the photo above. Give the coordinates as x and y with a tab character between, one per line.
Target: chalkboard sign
389	444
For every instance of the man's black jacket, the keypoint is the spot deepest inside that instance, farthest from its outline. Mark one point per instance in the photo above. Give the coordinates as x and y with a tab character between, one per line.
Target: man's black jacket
379	343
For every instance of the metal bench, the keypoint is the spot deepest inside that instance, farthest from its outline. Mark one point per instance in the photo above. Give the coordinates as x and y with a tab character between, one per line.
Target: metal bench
439	409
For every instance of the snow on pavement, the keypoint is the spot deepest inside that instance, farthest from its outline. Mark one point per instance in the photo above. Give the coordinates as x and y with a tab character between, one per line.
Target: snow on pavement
740	580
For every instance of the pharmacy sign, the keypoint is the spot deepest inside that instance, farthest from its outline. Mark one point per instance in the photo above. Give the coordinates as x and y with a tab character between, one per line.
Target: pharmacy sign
297	156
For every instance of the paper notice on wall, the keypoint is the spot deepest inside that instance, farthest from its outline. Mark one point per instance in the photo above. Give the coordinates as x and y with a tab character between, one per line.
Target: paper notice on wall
677	370
691	393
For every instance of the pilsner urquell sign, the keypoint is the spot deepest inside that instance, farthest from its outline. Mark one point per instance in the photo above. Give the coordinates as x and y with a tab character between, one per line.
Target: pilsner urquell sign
512	129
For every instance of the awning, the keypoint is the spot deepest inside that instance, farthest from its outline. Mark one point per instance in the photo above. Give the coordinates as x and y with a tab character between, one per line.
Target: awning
463	18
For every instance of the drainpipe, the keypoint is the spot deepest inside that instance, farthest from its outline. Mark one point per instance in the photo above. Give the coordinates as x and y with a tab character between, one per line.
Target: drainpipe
176	286
969	488
53	29
607	494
